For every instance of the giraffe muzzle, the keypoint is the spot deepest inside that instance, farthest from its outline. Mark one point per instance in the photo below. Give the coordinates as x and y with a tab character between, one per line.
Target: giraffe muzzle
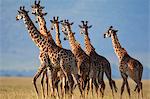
104	35
17	19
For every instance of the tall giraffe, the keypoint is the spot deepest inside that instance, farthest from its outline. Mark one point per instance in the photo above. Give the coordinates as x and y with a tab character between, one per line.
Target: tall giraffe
128	66
59	57
37	10
90	50
86	65
55	25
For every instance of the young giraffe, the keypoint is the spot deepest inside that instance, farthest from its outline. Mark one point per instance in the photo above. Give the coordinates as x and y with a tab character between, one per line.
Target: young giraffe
59	57
90	50
87	67
37	10
128	66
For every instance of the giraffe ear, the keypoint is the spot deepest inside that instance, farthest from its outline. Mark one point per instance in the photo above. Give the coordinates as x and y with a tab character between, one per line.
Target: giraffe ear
116	30
60	21
51	21
110	27
44	14
80	26
90	26
42	7
39	2
35	2
71	23
18	11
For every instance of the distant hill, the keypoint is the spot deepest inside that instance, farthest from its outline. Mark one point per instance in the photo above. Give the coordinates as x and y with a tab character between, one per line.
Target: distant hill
17	73
30	73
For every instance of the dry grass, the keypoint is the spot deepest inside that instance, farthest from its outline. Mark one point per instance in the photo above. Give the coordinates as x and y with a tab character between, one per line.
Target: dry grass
21	88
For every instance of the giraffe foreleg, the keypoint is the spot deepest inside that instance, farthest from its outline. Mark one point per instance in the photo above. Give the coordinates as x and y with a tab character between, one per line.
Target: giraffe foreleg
96	85
38	73
42	82
124	76
47	80
128	88
50	81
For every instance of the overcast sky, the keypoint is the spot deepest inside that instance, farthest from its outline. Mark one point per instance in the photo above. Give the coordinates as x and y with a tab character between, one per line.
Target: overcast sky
130	17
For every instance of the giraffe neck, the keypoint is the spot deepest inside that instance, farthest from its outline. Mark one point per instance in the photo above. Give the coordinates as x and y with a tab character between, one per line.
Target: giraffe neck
58	41
43	29
120	52
35	35
75	46
88	46
42	25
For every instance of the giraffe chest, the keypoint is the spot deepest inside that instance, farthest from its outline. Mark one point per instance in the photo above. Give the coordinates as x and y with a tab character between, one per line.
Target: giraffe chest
54	58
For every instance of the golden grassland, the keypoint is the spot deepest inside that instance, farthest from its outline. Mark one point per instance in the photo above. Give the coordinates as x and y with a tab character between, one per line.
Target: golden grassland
22	88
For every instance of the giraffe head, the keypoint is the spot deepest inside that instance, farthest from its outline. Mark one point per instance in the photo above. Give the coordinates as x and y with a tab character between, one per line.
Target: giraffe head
110	32
21	13
37	9
84	27
54	22
66	28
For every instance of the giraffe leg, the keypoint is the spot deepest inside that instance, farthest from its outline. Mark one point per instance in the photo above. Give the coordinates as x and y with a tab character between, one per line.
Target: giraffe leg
42	82
47	80
56	86
136	87
63	87
101	82
102	89
139	89
88	87
66	86
50	81
112	83
38	73
128	89
96	85
71	83
79	81
124	76
91	84
54	83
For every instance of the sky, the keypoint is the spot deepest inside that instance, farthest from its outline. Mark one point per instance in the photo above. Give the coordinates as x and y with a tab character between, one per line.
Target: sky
130	17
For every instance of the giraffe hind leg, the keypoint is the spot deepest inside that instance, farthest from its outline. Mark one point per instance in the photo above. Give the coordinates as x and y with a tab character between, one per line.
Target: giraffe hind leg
101	82
140	90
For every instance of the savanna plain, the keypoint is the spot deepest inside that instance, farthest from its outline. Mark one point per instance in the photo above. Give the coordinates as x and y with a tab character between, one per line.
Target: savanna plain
22	88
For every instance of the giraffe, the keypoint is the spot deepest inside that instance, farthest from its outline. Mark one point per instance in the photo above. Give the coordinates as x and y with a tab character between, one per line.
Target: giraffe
128	66
37	10
90	50
59	57
86	66
55	25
